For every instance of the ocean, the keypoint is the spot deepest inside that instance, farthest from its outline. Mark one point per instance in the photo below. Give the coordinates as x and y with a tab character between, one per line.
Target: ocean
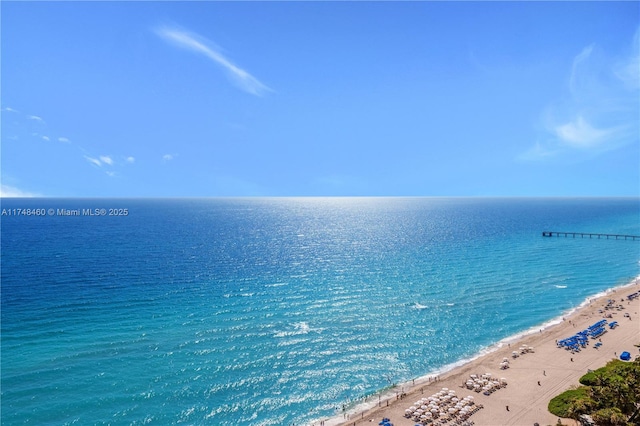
275	311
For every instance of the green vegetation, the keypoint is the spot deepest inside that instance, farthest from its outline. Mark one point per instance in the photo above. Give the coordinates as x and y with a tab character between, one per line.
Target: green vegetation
564	404
611	395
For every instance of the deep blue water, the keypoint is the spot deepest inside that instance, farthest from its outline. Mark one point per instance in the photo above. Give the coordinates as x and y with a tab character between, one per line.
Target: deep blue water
274	311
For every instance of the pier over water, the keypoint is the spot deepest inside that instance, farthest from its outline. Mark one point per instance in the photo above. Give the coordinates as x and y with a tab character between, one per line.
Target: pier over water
590	235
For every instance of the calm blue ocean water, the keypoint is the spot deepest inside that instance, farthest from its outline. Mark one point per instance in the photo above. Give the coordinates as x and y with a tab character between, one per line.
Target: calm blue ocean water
274	311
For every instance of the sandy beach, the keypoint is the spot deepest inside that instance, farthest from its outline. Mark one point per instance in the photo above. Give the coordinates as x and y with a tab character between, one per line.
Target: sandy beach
533	378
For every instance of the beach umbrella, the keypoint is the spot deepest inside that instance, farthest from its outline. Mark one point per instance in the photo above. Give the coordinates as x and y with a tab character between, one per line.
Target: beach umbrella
413	408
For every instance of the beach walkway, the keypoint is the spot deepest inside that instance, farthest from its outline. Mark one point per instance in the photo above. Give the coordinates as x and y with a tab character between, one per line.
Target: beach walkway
590	235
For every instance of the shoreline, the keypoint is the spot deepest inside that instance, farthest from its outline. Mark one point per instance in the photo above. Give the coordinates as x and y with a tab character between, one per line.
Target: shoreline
392	402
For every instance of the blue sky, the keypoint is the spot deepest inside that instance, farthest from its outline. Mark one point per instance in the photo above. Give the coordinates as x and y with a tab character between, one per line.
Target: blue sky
167	99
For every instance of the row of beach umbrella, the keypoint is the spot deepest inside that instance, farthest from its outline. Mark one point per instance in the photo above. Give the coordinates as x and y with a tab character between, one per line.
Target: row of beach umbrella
441	404
485	383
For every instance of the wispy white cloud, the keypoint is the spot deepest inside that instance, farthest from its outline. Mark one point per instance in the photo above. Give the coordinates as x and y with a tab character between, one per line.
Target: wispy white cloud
102	159
130	160
35	118
111	173
538	152
11	192
93	161
8	109
576	68
167	157
579	133
106	159
239	76
46	138
628	69
64	140
600	109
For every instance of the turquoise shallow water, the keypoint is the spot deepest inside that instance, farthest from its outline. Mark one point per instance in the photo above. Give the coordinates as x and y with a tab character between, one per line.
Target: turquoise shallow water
278	311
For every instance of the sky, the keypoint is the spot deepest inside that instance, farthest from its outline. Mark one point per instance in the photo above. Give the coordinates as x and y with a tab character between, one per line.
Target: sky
217	99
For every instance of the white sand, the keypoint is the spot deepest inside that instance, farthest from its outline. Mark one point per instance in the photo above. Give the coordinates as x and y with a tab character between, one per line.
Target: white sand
551	366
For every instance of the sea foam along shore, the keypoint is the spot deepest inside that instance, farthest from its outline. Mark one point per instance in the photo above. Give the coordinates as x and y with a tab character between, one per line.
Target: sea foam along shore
524	401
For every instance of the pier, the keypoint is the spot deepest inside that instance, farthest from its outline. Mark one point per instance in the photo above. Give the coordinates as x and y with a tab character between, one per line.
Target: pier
590	235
